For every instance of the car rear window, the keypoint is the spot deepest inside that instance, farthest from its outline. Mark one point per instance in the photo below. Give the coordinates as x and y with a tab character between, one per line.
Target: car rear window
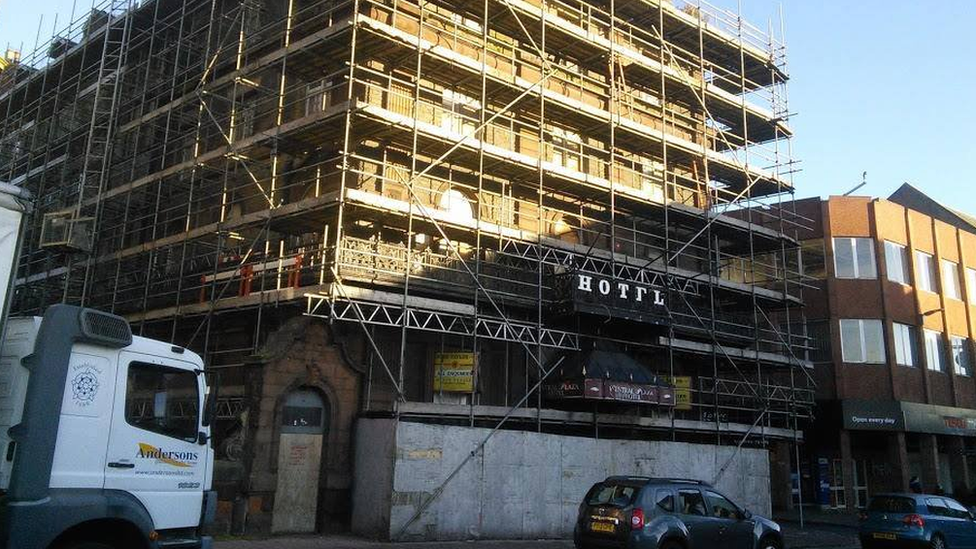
892	504
618	495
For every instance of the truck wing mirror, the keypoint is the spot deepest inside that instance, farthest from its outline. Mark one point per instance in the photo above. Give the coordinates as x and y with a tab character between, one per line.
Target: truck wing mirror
210	407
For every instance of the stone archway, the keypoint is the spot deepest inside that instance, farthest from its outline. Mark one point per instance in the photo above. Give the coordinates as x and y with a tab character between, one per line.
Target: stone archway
302	355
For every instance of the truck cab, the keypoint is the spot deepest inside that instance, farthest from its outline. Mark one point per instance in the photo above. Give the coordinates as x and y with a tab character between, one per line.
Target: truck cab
104	437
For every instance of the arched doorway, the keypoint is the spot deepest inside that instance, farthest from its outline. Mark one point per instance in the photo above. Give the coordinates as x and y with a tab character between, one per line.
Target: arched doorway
304	422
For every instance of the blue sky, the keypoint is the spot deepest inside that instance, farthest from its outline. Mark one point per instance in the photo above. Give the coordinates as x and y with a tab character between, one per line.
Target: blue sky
883	86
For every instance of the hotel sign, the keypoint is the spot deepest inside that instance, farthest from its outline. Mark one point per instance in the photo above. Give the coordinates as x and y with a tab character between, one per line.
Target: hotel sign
606	389
617	298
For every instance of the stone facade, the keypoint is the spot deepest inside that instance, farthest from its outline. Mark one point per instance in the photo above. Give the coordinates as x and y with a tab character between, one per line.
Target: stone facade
302	354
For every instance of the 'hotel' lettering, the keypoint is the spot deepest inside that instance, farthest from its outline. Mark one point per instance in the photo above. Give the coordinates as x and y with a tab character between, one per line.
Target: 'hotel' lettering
605	287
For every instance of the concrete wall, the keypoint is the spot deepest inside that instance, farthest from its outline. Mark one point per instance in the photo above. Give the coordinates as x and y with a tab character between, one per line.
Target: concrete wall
524	485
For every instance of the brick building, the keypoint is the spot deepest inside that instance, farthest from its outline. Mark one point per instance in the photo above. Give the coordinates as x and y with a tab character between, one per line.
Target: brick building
892	330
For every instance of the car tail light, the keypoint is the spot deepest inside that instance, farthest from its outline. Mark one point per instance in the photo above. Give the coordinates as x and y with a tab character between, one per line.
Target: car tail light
862	515
637	519
914	520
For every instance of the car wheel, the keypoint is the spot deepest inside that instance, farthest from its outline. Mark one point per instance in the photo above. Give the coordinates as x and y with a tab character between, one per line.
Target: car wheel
937	543
671	544
770	542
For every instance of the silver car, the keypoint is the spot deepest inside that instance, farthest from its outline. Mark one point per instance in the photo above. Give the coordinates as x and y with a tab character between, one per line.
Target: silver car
656	513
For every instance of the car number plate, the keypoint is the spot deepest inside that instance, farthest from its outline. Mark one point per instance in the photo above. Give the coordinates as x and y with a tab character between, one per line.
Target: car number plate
602	527
881	535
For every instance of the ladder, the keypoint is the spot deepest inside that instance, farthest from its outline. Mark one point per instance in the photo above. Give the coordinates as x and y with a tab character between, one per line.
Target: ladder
89	209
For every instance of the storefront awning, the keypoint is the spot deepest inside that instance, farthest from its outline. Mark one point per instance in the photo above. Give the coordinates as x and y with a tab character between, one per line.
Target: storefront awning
602	375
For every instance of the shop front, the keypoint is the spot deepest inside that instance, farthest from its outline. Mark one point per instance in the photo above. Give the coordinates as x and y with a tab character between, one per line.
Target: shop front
863	447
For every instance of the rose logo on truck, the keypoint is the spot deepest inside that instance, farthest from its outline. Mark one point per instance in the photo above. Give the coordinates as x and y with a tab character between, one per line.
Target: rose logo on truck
84	386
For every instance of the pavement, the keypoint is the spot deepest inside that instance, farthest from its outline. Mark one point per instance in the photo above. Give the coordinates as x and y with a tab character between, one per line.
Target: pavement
813	536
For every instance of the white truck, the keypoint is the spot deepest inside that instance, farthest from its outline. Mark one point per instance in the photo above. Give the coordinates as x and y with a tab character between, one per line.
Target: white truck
104	437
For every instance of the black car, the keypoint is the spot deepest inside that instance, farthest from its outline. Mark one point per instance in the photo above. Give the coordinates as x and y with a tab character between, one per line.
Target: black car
657	513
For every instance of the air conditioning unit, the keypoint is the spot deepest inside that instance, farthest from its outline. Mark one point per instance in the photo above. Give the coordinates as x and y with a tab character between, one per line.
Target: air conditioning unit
63	231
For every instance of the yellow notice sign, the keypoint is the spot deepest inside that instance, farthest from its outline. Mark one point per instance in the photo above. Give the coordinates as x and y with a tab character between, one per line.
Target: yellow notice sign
682	392
454	372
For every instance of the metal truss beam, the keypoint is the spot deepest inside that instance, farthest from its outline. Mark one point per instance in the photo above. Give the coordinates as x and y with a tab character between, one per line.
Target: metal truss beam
396	316
591	264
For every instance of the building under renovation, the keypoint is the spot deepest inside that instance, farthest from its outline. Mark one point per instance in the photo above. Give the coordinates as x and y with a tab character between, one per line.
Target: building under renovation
448	259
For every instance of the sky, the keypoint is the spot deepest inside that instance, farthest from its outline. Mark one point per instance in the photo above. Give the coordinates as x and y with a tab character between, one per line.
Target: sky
886	87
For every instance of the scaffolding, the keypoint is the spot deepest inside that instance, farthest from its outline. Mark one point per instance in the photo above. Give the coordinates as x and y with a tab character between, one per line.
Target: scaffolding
428	176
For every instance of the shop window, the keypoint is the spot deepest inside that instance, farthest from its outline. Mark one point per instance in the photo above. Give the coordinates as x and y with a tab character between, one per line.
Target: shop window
862	341
950	280
906	345
927	276
896	260
838	497
854	258
934	354
962	356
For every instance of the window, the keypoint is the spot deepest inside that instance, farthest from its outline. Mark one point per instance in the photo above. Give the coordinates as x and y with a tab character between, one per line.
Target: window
892	504
457	206
244	121
652	176
690	502
665	500
962	357
461	112
956	510
950	279
862	341
317	96
971	285
566	148
301	416
926	272
934	359
906	345
162	400
854	258
814	264
620	495
896	260
721	507
818	332
936	507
